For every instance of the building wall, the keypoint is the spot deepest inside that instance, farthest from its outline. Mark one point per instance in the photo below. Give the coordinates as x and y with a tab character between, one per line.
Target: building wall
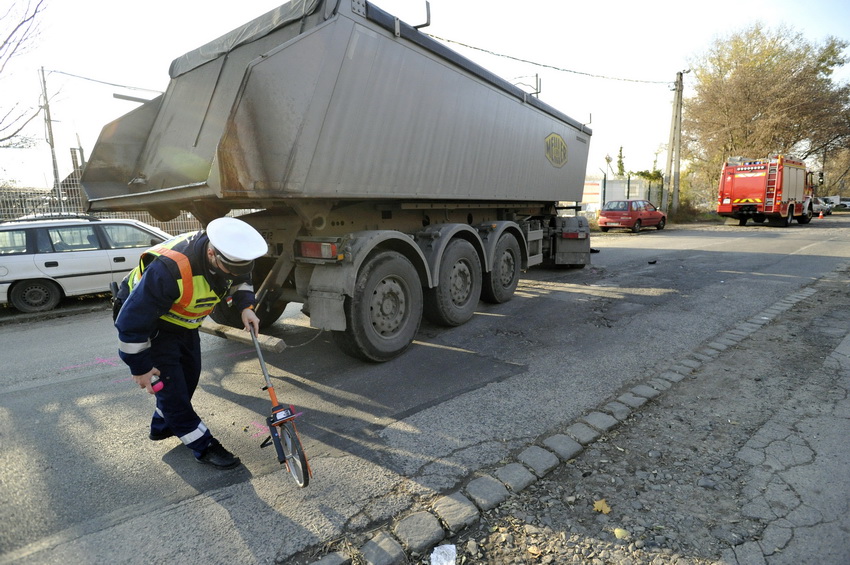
597	191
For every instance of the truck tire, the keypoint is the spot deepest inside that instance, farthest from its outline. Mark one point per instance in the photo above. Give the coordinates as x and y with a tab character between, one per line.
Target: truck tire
500	283
35	295
806	217
453	301
384	314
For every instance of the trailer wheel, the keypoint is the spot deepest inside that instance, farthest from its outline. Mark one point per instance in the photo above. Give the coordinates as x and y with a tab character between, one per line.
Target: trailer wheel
452	302
384	314
500	283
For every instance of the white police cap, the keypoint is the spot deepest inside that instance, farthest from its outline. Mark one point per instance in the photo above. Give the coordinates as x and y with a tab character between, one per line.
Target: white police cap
236	242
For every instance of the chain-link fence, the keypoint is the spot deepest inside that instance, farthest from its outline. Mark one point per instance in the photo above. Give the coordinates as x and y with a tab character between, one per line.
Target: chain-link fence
21	202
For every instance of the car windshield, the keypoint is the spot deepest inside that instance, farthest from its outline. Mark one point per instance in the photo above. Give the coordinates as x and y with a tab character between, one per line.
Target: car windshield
616	205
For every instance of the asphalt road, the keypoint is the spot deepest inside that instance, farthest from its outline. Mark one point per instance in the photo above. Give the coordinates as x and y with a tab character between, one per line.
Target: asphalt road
83	484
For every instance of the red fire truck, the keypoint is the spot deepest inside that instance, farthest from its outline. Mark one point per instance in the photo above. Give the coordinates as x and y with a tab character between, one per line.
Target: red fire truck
777	189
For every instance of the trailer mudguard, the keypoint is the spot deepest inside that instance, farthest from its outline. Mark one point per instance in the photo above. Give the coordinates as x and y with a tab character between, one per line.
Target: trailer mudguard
433	240
490	234
331	283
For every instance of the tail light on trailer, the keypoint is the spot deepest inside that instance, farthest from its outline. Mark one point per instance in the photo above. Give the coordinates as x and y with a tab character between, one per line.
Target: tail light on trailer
326	250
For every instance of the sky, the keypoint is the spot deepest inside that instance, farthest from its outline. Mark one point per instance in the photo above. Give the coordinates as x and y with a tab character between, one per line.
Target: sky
610	64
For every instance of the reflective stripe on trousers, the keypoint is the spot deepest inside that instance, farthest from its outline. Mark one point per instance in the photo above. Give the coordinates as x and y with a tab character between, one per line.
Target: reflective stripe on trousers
177	355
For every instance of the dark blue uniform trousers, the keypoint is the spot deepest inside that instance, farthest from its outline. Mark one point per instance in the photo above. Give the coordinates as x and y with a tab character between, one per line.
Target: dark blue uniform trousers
177	355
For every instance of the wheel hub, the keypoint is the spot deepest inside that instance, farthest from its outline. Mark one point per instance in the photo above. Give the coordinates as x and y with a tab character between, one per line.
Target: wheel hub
388	307
35	296
507	271
461	282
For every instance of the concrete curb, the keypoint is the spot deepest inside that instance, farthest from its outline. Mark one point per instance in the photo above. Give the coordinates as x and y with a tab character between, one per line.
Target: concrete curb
14	317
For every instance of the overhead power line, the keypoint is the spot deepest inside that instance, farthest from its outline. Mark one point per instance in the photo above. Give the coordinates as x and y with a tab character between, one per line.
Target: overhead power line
106	83
592	75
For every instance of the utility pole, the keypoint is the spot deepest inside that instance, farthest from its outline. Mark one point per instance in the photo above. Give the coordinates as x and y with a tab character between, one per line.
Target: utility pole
674	146
49	123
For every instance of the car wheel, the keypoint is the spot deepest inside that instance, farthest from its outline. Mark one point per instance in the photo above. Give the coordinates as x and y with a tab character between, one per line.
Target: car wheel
605	229
636	227
661	223
35	295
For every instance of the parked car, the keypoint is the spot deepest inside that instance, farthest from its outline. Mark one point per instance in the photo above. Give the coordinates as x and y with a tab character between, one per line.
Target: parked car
820	205
43	259
631	214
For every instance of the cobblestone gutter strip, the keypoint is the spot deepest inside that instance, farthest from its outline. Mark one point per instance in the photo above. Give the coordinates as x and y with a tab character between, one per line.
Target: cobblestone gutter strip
412	536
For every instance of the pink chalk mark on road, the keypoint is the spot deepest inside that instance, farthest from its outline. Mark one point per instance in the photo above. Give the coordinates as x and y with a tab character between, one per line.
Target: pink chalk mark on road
264	430
238	353
112	362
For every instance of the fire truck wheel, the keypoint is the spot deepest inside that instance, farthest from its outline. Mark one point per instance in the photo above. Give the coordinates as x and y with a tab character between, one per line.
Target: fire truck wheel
742	221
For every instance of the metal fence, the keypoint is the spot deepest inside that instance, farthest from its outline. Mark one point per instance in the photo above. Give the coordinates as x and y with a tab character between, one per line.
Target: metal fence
19	202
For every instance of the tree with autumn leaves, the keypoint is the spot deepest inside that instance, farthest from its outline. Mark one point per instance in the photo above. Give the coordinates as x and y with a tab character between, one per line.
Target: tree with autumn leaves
760	92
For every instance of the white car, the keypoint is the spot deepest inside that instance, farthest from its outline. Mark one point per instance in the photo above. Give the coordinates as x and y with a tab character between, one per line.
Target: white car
45	259
819	206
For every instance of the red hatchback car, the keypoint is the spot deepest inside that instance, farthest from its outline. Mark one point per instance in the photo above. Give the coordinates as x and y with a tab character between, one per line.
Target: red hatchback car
631	215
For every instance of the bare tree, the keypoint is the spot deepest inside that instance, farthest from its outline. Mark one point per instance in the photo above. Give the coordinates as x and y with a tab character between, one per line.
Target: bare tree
760	92
18	29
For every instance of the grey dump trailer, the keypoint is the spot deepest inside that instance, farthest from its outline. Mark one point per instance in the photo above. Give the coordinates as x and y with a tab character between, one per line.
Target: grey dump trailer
390	176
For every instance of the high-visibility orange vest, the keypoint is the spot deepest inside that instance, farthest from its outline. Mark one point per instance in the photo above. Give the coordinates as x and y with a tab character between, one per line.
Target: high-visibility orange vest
197	299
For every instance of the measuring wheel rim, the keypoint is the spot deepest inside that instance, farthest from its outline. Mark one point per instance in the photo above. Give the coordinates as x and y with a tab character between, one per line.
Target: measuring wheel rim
296	461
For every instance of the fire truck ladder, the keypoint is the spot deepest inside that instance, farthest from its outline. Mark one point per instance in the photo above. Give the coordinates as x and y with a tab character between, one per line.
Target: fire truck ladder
770	197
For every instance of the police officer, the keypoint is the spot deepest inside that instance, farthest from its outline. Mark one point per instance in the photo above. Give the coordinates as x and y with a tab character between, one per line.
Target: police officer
165	300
